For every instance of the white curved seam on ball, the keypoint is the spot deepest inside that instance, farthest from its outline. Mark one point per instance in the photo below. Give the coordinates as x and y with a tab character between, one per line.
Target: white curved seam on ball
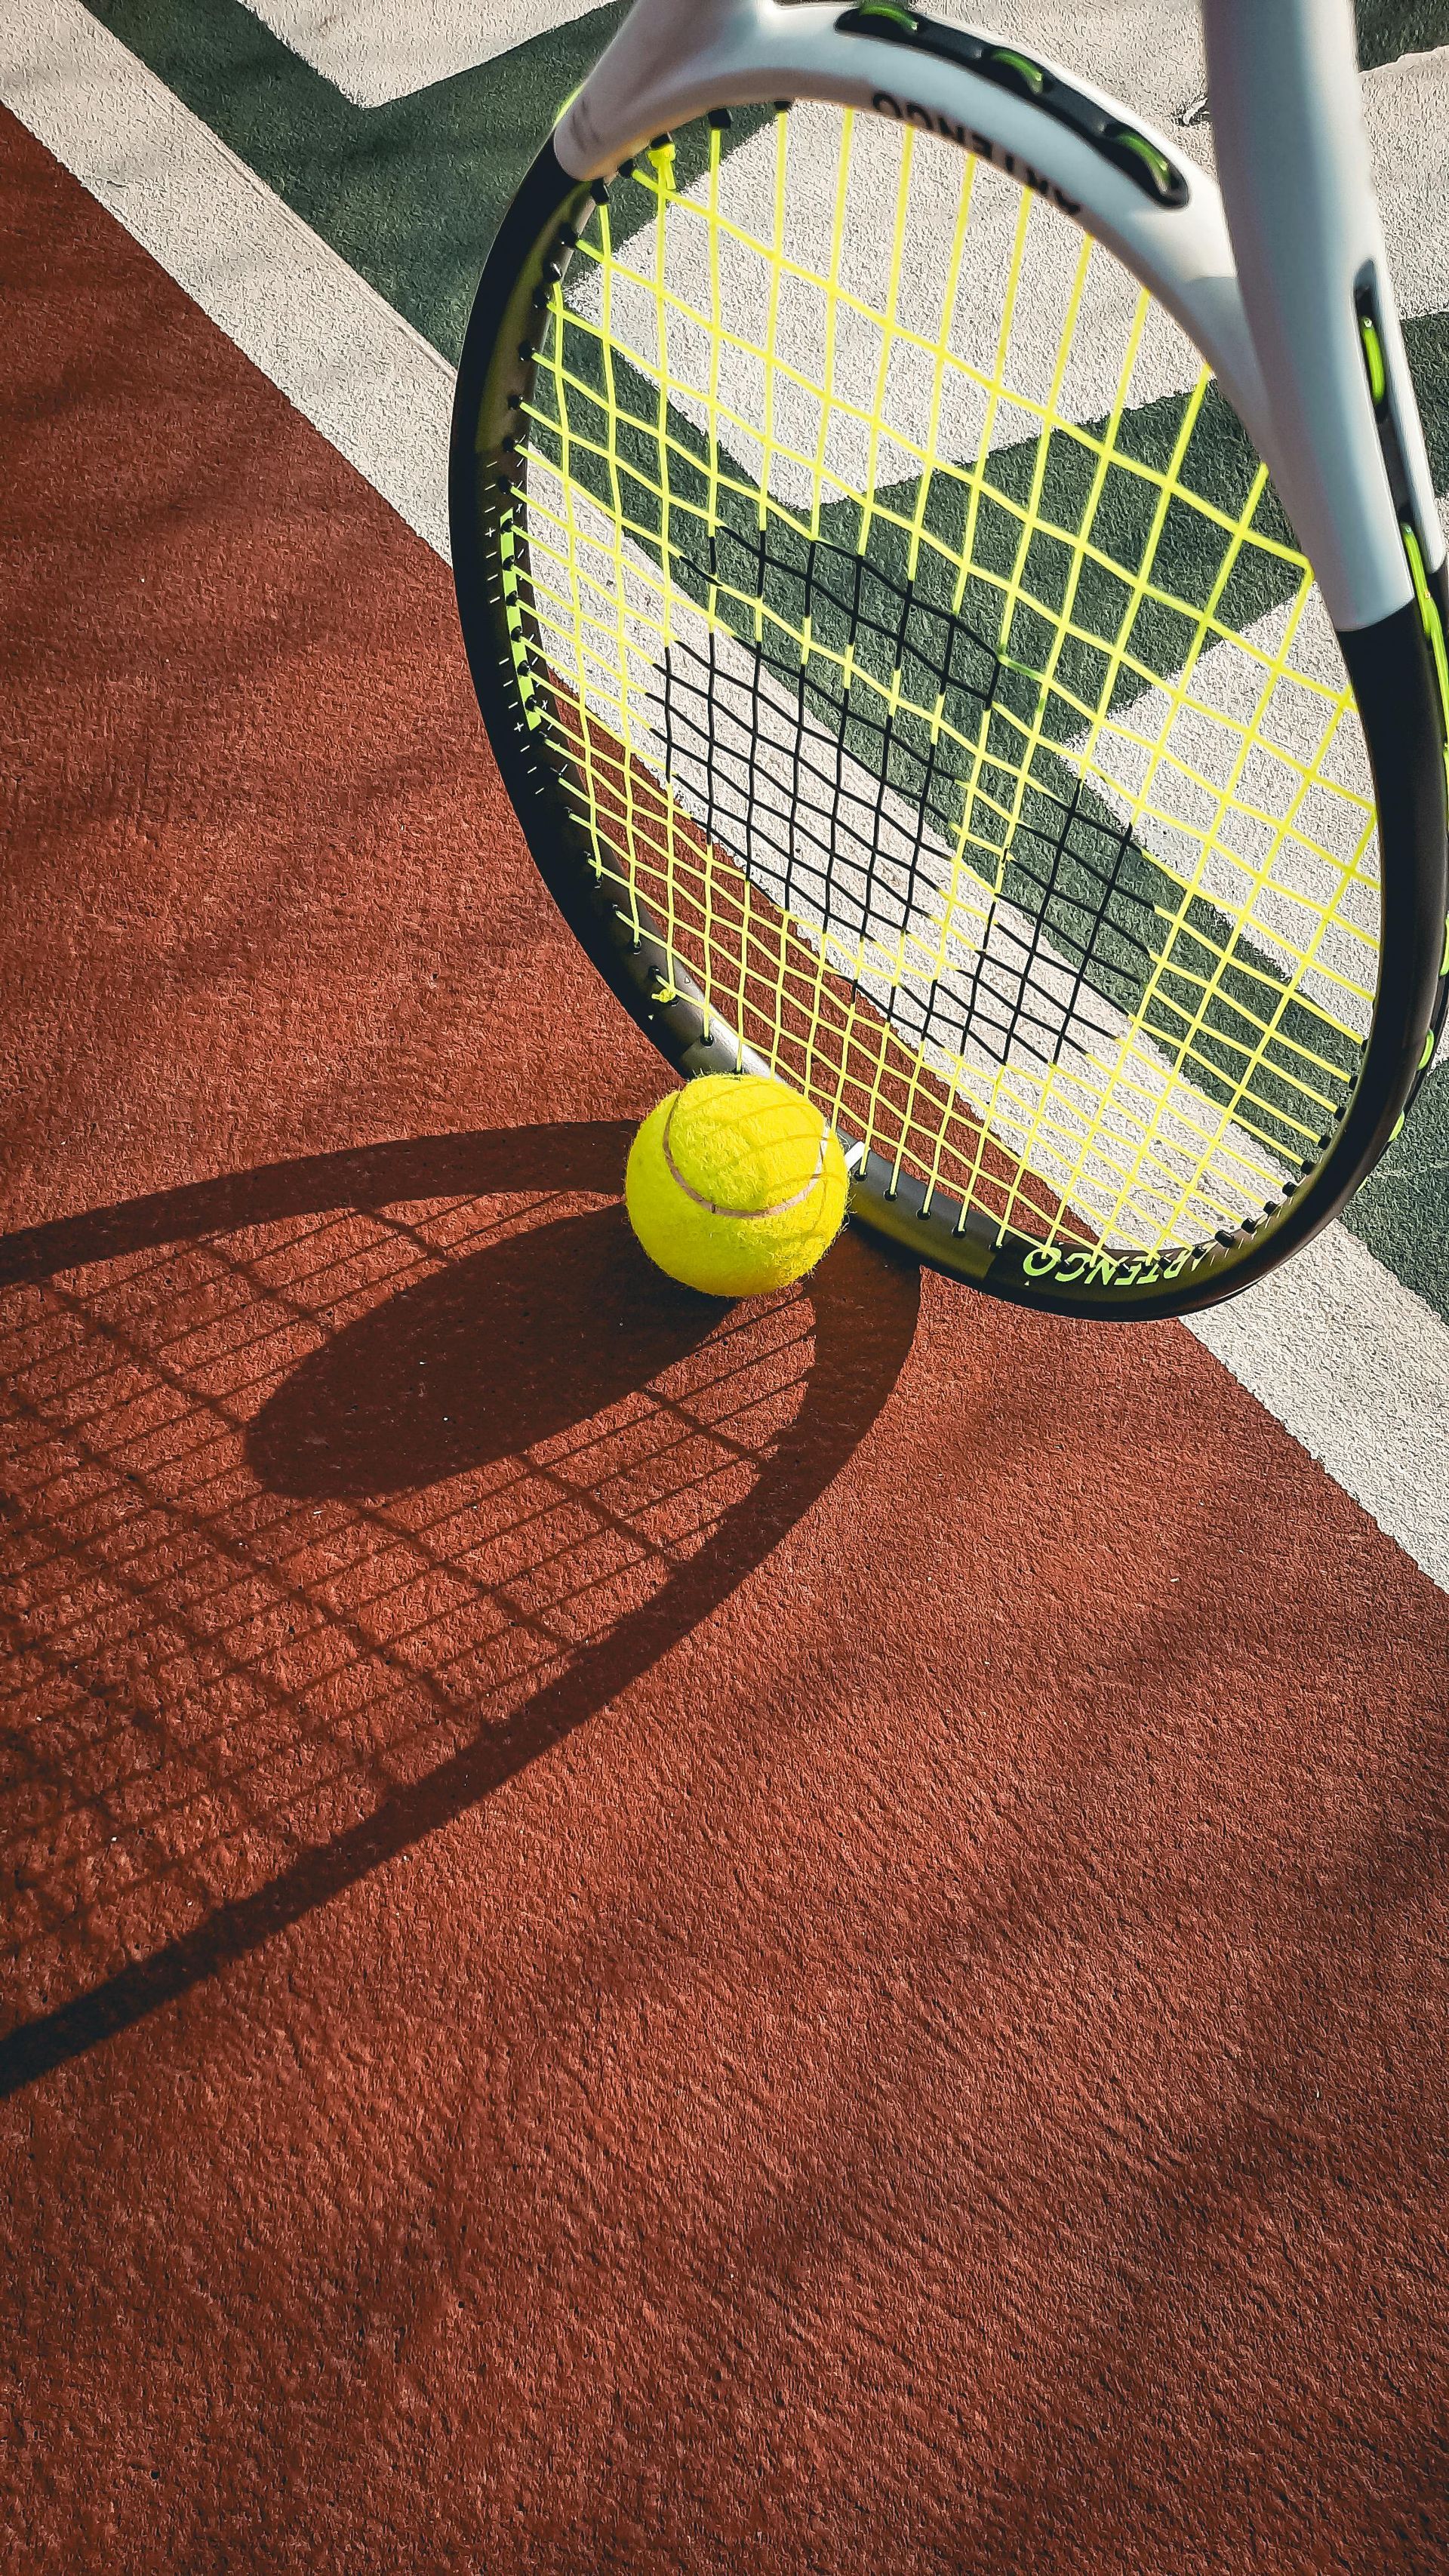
746	1215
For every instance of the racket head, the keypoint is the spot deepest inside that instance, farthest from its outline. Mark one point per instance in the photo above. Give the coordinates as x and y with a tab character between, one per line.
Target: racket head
993	775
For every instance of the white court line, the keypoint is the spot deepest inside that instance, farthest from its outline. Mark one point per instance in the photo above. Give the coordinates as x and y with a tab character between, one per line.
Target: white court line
1148	52
1358	1370
1344	1356
378	50
375	388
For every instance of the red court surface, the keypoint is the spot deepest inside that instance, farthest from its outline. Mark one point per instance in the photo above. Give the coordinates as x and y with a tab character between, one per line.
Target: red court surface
637	1935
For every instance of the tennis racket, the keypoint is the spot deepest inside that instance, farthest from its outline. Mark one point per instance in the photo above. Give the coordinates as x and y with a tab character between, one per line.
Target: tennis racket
959	605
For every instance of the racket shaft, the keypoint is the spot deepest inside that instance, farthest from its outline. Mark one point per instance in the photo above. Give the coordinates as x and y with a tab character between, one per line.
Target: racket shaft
1293	164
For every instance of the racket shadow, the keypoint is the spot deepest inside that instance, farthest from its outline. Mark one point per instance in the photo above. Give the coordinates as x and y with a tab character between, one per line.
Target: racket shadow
338	1492
503	1351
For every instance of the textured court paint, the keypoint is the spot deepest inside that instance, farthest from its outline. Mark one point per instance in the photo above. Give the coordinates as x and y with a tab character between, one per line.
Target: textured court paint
349	361
940	2073
303	916
1400	1212
1138	49
374	51
1358	1368
1389	28
410	194
1405	109
1150	55
69	87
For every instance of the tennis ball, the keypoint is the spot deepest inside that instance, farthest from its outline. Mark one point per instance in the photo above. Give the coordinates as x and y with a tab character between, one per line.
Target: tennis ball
735	1185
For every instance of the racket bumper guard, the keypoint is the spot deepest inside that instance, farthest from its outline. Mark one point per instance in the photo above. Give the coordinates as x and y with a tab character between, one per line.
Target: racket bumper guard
926	1223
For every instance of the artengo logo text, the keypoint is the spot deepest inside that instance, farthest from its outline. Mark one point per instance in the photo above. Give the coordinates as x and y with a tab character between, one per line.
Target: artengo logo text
1103	1269
909	111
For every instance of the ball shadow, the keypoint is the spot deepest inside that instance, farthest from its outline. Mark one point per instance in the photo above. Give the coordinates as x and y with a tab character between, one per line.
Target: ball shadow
507	1348
498	1352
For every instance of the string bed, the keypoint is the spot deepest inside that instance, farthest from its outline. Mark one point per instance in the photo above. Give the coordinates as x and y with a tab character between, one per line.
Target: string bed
923	650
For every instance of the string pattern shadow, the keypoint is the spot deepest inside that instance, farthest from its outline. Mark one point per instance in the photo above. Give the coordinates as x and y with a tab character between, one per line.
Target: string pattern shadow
335	1494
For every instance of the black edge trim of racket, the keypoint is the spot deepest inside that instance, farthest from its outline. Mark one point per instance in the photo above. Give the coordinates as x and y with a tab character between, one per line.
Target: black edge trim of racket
1393	678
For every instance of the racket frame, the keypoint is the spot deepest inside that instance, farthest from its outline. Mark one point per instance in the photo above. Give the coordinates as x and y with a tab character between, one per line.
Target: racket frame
667	67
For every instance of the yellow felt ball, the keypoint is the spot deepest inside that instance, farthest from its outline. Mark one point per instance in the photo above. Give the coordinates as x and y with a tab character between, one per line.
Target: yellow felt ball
735	1185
